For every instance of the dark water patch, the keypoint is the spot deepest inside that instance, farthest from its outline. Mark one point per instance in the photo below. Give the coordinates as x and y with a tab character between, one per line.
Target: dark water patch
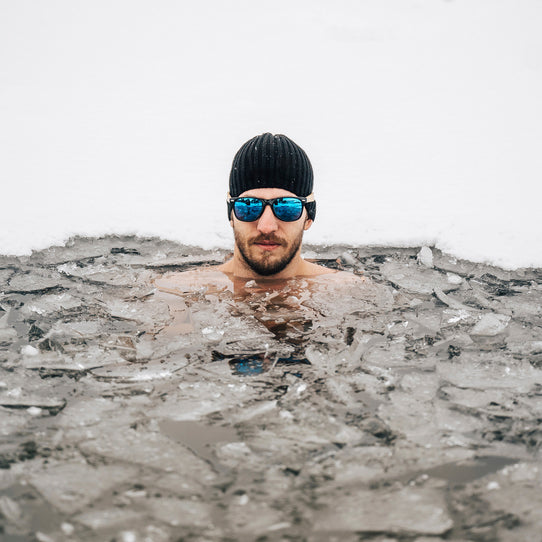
463	472
200	438
124	250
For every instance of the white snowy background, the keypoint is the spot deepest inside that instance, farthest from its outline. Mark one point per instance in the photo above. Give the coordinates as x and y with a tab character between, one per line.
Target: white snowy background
422	118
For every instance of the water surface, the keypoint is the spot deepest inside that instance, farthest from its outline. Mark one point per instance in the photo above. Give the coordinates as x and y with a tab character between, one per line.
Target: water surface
402	406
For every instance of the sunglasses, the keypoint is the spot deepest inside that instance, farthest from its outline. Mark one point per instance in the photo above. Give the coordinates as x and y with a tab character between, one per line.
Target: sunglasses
286	209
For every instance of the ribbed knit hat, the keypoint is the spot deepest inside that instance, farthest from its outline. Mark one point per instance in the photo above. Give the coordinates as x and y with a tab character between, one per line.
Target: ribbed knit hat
271	161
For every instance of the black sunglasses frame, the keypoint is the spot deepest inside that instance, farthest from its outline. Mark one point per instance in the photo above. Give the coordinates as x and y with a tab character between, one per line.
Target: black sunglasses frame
309	205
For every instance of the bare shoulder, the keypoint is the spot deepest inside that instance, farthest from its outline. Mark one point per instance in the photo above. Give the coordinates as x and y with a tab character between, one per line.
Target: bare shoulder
182	282
310	269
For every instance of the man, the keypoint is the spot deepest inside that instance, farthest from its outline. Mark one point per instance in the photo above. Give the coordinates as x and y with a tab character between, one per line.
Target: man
270	205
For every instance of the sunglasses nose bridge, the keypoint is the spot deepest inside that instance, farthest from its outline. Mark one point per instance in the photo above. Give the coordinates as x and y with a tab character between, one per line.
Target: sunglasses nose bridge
267	222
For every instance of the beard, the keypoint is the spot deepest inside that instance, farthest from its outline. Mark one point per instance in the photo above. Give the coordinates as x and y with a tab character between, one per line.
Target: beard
268	263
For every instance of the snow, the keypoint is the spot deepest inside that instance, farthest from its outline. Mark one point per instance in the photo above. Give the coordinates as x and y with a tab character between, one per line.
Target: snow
422	118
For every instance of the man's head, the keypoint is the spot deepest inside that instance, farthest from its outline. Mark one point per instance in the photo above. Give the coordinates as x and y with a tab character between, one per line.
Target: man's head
270	202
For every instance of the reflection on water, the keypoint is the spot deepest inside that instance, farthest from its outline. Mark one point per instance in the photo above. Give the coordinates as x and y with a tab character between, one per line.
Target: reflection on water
254	364
402	407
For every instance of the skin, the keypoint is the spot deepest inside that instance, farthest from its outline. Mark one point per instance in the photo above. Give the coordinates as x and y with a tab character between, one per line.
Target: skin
269	248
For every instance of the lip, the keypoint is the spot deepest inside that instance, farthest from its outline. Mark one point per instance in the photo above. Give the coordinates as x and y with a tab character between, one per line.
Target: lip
267	245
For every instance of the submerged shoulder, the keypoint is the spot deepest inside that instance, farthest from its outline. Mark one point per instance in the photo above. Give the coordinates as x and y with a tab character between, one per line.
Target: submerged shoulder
310	269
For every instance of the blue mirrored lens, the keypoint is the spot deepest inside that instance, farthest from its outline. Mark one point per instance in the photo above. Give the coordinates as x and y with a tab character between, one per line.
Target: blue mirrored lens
248	209
288	209
285	209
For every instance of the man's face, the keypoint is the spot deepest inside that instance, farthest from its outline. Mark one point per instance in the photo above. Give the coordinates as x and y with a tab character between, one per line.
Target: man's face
268	244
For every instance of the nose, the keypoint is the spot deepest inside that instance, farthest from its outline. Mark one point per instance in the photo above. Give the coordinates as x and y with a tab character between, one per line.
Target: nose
267	223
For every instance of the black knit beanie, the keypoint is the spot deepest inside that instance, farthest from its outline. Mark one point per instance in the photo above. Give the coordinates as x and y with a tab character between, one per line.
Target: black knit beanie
272	161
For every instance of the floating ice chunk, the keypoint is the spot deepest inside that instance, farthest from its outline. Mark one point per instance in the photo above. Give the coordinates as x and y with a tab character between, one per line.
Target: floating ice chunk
450	301
253	517
484	370
48	304
15	392
34	411
177	512
300	388
135	493
108	518
144	348
348	435
78	328
362	466
130	372
286	415
523	305
492	486
32	282
453	278
67	528
517	345
213	334
5	275
73	486
10	510
386	355
491	324
7	333
128	536
310	255
425	257
178	484
415	279
151	449
86	411
523	472
235	454
279	526
42	537
29	350
100	274
422	384
410	510
262	408
27	401
349	259
454	316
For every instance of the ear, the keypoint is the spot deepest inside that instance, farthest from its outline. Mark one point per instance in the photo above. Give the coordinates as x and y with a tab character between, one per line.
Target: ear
308	224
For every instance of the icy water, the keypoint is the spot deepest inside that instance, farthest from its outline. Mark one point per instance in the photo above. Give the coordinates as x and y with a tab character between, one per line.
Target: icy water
406	407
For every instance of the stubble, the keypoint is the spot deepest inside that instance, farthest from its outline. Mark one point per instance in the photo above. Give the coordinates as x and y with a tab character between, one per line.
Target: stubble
266	264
